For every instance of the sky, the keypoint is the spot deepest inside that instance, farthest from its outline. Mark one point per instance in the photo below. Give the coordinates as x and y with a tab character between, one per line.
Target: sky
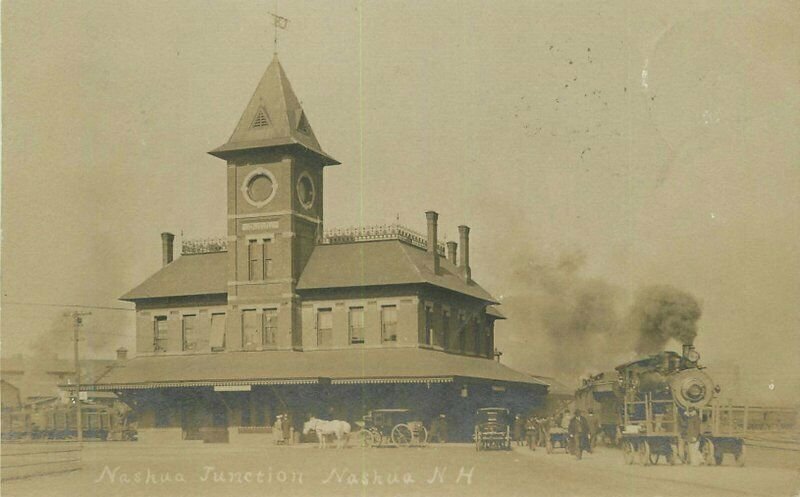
657	140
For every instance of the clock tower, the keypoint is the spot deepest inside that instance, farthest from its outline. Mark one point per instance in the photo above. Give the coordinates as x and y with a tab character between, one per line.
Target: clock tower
275	183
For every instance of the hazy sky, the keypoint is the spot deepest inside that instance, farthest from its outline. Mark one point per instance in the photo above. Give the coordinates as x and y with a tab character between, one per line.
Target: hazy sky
660	140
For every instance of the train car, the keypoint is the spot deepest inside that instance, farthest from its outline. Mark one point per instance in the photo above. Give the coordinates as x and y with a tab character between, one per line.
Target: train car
59	422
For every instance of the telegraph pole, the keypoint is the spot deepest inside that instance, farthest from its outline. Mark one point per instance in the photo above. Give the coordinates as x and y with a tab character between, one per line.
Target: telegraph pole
77	321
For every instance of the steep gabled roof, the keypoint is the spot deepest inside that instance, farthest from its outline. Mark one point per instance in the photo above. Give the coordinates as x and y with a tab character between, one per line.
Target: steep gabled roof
273	117
384	262
197	274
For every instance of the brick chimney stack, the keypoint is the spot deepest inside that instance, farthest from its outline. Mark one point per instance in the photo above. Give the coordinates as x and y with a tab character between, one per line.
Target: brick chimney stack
167	241
433	241
463	264
451	253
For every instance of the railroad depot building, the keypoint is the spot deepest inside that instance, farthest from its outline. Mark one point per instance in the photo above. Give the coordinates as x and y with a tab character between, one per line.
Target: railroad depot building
283	316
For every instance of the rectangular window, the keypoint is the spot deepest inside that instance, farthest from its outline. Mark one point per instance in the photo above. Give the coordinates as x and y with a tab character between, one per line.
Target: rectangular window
429	325
251	330
389	323
217	341
160	334
462	334
356	325
446	329
266	255
270	327
190	332
324	327
254	260
476	334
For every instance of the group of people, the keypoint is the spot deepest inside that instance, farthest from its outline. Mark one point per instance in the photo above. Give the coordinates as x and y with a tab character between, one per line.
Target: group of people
534	431
282	430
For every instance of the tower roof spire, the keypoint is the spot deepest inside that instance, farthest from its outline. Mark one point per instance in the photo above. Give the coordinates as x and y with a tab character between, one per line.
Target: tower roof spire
273	118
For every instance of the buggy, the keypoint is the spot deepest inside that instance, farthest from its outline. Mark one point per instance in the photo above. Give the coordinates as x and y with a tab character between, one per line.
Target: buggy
557	438
492	429
392	427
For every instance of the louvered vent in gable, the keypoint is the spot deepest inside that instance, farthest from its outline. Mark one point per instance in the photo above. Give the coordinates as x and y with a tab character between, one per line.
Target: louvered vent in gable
261	119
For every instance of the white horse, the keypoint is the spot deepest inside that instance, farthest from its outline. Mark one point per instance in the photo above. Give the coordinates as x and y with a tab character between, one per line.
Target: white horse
323	429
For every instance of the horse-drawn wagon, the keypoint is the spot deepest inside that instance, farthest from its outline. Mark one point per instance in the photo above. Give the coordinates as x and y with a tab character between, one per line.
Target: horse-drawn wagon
492	429
392	427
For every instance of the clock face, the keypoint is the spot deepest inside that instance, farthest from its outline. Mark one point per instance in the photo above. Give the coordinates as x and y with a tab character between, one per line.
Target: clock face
259	187
305	190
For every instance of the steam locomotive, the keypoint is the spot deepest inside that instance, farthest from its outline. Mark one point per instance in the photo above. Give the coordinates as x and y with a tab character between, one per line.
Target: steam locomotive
655	406
59	422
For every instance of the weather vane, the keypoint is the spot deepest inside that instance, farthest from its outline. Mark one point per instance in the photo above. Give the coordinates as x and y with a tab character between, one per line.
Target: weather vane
279	22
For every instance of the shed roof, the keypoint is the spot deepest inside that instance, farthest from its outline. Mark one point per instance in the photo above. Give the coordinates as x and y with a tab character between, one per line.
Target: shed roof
345	366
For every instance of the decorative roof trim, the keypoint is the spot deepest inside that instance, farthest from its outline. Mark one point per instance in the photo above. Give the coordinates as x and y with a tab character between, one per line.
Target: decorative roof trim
359	381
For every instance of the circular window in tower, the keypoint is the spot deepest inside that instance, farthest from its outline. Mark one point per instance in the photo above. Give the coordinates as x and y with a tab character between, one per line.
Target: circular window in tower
259	187
305	190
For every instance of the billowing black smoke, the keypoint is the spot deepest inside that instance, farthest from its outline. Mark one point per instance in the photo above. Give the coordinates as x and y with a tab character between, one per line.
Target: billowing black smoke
570	324
660	313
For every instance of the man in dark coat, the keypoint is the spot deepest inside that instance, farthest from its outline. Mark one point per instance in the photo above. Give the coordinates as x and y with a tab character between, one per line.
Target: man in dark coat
579	431
532	432
594	429
519	429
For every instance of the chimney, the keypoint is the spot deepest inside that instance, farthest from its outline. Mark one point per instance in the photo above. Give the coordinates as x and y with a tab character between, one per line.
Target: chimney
463	232
433	242
167	240
122	354
451	253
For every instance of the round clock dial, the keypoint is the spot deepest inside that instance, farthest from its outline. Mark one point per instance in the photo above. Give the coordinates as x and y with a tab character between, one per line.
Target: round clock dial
305	190
259	187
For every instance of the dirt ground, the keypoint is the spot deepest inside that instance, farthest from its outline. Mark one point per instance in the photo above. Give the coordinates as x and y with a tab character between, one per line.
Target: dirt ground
194	469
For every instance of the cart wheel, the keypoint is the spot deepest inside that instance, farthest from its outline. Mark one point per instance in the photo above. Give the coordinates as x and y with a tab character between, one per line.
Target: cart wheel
402	436
708	453
654	458
644	453
422	436
740	455
377	437
366	438
627	452
672	455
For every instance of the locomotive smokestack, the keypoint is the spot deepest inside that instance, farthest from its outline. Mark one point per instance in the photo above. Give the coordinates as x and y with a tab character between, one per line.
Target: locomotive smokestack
433	242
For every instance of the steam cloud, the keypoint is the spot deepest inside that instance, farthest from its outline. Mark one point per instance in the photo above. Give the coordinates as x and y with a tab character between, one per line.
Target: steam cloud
573	325
662	312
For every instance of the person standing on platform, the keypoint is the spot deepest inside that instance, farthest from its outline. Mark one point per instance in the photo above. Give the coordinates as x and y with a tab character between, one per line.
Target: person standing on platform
519	429
594	429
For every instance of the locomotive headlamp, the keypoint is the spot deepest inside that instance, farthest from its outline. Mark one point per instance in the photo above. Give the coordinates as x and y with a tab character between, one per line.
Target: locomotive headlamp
692	356
695	392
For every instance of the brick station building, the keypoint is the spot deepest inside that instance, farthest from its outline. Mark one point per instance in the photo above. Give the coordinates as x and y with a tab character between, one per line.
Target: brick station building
282	316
